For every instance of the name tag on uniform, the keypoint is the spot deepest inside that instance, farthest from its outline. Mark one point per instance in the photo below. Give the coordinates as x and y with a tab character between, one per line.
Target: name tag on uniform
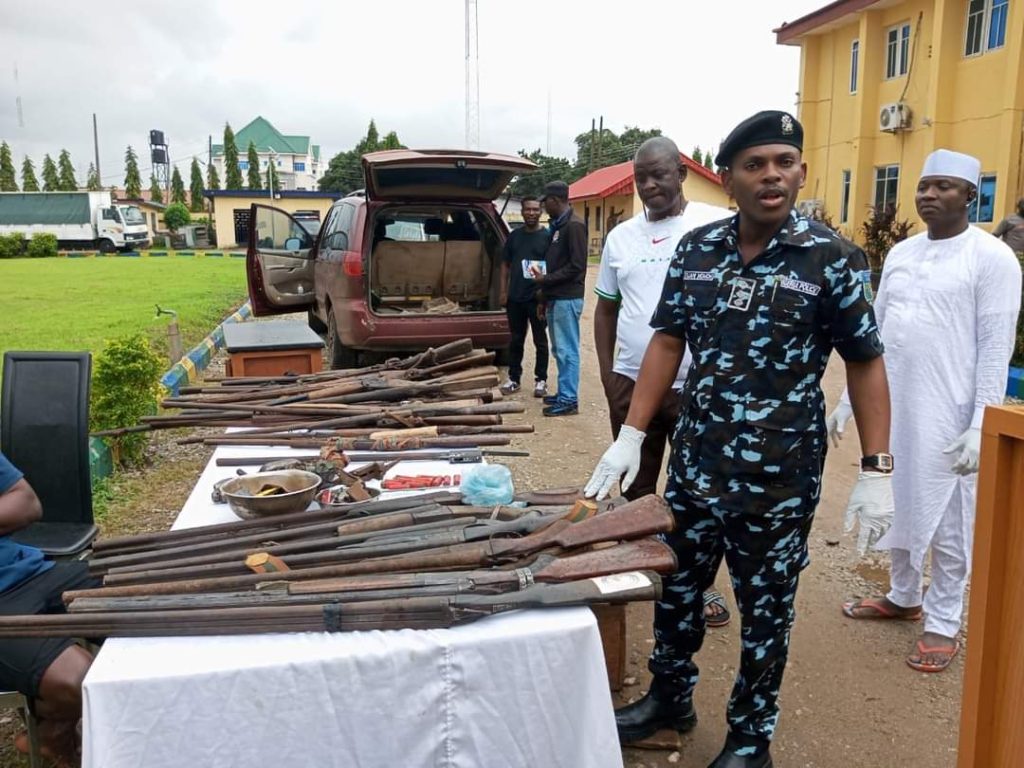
799	286
703	277
742	293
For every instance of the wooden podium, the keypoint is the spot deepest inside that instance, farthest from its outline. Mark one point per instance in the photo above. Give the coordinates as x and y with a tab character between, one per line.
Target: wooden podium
992	714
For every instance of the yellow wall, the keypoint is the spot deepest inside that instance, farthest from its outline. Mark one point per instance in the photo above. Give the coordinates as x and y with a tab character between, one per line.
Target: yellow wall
224	208
968	104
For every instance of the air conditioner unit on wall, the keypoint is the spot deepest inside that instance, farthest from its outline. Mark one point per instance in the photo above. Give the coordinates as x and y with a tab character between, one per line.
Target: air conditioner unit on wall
894	117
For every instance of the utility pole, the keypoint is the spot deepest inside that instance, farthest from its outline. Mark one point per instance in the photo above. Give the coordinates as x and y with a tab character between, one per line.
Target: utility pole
590	164
600	139
17	97
96	145
548	150
472	78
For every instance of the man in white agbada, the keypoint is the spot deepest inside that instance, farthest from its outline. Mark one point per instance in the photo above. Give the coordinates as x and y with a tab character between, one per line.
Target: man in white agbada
947	307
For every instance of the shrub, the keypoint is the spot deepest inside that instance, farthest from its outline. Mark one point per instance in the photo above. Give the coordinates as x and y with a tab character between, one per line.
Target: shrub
42	246
176	216
11	246
125	387
882	230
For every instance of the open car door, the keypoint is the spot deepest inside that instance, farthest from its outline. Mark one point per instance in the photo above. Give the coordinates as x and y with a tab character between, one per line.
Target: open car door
278	262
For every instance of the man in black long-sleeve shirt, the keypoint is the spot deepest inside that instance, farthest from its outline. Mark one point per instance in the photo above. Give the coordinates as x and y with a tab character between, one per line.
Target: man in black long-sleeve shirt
561	288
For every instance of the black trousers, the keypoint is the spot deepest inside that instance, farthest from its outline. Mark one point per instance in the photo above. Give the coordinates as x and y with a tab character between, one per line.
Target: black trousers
520	315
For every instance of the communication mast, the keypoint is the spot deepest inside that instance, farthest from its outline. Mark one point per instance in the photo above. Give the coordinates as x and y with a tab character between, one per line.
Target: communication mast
160	159
472	78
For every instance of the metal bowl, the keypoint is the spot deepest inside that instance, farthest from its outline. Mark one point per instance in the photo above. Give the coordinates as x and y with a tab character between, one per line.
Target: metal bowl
300	488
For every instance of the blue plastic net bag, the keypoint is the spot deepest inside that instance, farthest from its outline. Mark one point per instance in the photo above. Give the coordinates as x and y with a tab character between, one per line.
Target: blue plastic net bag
486	485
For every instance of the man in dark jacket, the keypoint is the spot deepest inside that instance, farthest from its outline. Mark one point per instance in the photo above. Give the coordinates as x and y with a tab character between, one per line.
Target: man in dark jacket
561	288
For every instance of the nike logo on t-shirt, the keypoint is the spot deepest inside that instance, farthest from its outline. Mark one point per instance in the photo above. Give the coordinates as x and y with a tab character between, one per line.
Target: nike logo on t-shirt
662	240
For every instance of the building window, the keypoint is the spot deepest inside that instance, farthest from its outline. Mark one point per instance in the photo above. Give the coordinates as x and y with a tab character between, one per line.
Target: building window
297	166
243	165
897	51
844	209
975	26
887	180
997	24
986	26
854	61
983	207
597	218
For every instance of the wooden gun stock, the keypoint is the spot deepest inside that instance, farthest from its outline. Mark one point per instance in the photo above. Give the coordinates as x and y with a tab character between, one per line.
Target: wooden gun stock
412	613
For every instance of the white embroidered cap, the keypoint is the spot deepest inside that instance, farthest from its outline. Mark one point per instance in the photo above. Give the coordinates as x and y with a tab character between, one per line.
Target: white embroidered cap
945	162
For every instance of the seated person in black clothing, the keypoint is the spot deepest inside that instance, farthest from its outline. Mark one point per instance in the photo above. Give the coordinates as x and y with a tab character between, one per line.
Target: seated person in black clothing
47	670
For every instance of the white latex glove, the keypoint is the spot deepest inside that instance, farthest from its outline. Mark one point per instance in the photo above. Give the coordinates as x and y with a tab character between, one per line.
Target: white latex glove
967	450
872	506
622	456
837	420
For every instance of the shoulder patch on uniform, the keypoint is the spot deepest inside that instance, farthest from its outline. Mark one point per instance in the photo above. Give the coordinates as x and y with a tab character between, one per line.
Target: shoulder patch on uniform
799	286
706	277
865	285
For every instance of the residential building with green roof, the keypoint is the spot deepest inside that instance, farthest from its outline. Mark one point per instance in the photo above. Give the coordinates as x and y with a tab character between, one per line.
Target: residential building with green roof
296	157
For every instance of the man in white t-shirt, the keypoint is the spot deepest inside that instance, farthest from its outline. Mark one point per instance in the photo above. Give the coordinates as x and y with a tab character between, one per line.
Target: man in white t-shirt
633	265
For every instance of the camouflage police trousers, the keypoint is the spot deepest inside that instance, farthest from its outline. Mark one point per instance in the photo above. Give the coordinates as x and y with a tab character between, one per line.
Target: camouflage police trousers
765	553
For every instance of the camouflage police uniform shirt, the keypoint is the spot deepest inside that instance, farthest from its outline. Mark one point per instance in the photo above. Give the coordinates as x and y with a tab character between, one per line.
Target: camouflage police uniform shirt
752	427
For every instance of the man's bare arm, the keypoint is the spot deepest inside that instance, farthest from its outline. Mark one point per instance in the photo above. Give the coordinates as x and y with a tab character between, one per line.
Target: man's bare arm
657	373
606	316
869	395
19	507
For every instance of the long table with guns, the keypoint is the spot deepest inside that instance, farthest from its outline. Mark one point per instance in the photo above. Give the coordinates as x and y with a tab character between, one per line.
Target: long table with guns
521	688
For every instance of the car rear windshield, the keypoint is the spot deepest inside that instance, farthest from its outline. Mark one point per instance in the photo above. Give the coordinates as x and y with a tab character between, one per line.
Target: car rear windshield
448	178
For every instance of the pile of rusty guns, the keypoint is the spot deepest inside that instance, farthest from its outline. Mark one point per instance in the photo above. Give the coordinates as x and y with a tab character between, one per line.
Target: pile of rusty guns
419	562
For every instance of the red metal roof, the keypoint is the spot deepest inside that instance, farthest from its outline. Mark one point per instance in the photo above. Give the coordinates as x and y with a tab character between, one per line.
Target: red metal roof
618	179
791	32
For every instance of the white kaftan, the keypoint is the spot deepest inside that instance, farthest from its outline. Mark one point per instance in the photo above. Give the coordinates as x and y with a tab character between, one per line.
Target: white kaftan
947	311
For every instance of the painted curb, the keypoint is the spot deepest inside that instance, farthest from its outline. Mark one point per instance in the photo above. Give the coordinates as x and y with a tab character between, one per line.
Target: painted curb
187	370
1015	383
152	254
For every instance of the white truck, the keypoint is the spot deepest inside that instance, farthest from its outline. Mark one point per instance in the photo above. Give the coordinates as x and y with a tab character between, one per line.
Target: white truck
78	219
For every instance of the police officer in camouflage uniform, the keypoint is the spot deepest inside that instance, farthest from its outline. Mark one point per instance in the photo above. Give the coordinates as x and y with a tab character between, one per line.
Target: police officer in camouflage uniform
761	299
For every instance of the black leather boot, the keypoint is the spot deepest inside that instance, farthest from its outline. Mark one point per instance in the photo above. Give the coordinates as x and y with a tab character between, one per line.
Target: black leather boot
643	718
727	758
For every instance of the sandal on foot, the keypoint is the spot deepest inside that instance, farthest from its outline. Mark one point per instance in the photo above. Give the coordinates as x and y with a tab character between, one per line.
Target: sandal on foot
924	650
877	610
720	619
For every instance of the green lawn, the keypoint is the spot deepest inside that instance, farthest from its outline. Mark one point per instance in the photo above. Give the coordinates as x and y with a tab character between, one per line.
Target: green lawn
76	304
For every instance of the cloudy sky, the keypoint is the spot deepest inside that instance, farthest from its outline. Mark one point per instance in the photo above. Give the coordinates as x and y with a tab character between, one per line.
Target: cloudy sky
325	69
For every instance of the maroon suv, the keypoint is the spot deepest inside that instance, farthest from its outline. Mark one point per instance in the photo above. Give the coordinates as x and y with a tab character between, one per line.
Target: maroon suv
412	264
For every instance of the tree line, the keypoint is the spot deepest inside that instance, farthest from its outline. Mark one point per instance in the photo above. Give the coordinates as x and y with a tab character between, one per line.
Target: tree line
594	150
344	172
60	177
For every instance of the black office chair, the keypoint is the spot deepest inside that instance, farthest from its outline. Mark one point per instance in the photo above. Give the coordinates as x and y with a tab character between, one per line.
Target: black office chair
44	432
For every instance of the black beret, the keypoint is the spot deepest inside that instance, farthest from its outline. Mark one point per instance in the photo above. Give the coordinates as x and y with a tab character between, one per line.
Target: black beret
769	127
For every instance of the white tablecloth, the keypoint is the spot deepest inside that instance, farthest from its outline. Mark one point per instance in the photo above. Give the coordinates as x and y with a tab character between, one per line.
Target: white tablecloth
526	689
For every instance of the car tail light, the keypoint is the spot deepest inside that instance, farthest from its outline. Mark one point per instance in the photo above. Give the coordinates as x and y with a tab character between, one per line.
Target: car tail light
352	264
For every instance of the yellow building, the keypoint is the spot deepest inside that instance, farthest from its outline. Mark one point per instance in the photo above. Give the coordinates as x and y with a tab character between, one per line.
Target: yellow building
884	83
608	196
231	208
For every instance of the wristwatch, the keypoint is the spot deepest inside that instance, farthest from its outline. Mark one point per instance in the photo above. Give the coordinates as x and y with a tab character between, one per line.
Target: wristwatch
877	462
